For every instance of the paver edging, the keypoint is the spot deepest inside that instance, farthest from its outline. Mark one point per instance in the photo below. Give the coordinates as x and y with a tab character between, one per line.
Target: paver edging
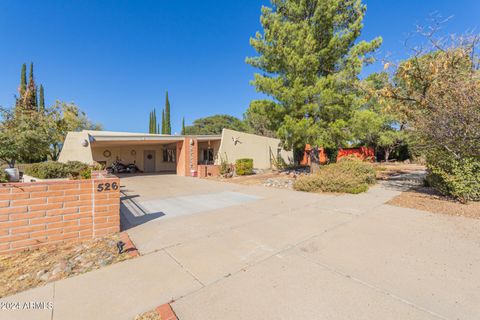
166	312
129	245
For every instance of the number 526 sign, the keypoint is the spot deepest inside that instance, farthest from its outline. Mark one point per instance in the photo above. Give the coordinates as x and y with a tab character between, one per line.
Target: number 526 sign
107	186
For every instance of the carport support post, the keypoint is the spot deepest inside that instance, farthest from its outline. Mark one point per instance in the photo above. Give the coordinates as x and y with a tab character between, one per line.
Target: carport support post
187	156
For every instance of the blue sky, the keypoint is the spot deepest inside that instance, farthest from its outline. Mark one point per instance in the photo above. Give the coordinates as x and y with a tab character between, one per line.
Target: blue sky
115	59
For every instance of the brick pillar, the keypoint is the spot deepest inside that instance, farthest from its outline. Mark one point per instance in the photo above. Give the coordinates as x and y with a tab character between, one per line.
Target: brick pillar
187	156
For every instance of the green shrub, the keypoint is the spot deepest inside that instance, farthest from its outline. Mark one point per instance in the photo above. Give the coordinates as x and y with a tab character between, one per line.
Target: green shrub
225	167
244	166
457	178
347	175
56	170
3	176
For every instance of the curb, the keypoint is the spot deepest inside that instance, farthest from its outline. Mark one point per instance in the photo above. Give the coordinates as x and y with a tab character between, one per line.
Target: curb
129	246
166	312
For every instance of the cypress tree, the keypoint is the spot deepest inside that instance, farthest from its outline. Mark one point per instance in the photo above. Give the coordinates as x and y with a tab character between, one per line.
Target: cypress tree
163	123
154	129
150	128
41	98
168	124
183	126
31	93
23	81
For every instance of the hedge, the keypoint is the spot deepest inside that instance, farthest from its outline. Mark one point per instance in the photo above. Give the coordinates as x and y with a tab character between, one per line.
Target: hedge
57	170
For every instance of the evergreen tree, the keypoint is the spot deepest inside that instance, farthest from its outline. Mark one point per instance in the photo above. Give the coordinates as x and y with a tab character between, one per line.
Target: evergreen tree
30	99
154	129
168	124
310	61
41	104
183	126
23	80
163	122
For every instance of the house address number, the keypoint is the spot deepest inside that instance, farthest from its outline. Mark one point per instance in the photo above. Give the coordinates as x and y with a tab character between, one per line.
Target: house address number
107	186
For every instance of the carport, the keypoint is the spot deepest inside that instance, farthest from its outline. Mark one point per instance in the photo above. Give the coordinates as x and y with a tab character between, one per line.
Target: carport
150	152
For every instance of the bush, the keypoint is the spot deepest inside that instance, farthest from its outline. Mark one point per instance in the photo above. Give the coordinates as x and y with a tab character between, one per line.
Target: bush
244	166
348	175
57	170
457	178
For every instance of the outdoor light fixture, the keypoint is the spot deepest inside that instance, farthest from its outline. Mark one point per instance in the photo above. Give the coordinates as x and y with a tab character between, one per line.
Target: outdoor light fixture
84	143
191	142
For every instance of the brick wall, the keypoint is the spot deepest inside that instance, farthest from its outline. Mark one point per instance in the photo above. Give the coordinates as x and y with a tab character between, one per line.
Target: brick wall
208	170
39	213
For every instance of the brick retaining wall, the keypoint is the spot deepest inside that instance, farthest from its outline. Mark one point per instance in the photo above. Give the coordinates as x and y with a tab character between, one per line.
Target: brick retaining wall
38	213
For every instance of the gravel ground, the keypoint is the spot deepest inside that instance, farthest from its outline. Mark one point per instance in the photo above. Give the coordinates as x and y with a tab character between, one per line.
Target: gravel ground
33	268
150	315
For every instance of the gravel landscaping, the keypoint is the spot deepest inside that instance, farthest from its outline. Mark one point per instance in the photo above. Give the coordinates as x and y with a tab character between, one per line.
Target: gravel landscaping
33	268
150	315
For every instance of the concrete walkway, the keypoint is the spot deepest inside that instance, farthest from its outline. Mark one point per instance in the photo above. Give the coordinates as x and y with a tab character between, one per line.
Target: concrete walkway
283	255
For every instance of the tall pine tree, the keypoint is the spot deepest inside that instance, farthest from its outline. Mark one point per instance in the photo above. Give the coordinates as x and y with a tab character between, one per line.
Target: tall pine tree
183	126
168	124
310	60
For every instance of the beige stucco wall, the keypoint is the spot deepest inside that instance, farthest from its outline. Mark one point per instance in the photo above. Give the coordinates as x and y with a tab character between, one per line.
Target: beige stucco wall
73	150
124	154
260	149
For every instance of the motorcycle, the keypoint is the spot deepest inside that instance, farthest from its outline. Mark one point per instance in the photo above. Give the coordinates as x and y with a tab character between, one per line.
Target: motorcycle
118	167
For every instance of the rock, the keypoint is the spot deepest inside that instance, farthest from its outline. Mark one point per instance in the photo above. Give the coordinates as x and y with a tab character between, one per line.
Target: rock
41	273
23	277
57	270
45	276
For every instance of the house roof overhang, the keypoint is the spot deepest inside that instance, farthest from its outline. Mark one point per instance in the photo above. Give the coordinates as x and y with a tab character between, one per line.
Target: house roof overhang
103	138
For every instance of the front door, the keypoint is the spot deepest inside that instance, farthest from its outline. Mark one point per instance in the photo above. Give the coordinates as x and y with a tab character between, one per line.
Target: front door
149	161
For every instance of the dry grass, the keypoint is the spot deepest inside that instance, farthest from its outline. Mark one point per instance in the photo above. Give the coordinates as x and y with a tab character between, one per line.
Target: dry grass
33	268
428	199
255	179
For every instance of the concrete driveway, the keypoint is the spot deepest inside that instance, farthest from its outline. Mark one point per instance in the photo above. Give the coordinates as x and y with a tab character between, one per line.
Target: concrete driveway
263	253
291	255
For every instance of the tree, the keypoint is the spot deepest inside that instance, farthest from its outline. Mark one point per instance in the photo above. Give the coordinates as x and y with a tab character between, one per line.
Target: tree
62	118
215	124
375	124
164	124
30	98
183	126
438	92
23	136
23	80
260	117
168	124
41	99
310	61
153	126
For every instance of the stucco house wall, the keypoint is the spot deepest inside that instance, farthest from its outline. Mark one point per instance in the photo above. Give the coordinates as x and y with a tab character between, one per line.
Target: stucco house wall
263	150
74	148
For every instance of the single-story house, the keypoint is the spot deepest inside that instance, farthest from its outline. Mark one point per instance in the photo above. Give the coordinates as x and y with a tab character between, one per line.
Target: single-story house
171	153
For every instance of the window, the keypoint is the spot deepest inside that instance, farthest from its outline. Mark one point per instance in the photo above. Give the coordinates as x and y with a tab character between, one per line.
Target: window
169	155
207	156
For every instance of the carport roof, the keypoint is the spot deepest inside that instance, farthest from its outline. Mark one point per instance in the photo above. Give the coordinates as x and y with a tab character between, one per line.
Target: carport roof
112	136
